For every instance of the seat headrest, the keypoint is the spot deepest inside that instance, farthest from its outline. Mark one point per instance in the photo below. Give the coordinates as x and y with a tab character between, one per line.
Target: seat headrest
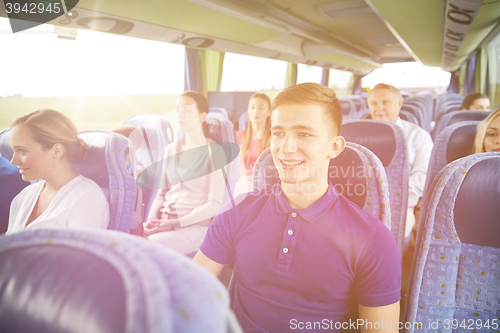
378	137
476	211
468	116
214	129
461	142
93	165
69	290
346	107
5	149
348	176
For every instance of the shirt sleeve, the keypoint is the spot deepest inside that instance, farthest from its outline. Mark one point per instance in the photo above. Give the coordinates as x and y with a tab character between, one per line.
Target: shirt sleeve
91	210
218	244
423	149
378	274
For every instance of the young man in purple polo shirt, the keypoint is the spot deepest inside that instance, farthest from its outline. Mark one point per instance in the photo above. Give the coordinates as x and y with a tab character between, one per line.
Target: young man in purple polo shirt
301	251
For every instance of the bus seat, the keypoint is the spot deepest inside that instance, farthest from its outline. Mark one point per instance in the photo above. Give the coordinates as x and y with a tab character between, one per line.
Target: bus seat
454	142
150	146
415	111
100	281
345	177
11	184
448	107
387	141
425	111
457	116
5	150
217	112
243	121
105	164
408	116
455	273
235	102
348	108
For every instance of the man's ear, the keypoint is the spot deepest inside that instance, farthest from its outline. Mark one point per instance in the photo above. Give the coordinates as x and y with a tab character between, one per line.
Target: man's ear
337	146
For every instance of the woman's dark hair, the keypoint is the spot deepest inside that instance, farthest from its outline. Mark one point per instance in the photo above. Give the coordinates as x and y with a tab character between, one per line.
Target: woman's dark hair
201	106
469	100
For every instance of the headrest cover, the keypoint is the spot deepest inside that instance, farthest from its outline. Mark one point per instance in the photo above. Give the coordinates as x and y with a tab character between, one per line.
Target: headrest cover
348	176
93	165
55	288
346	106
461	143
376	136
477	209
5	149
468	116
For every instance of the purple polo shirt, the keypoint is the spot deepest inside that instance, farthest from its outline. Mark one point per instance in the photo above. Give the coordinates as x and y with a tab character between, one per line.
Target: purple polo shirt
305	265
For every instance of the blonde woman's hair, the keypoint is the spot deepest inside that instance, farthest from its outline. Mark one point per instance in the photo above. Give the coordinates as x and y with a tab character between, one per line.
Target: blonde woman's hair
481	132
49	127
247	137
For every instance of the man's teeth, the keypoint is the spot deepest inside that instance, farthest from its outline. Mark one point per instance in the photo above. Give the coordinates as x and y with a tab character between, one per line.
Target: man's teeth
291	163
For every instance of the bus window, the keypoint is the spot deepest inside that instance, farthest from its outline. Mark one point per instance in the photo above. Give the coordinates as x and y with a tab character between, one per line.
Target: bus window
247	73
340	81
306	73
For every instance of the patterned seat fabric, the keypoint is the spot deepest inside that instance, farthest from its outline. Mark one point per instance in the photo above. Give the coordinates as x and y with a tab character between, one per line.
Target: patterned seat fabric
85	280
457	116
387	141
217	112
150	141
408	116
367	189
105	164
454	142
243	121
456	271
5	150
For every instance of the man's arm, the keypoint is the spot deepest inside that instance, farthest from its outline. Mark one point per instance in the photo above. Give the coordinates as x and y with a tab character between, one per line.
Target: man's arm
381	315
213	267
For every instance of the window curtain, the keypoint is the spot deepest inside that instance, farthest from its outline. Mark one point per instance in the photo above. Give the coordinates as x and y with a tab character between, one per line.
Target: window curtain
192	70
469	84
461	78
214	63
481	69
291	75
325	77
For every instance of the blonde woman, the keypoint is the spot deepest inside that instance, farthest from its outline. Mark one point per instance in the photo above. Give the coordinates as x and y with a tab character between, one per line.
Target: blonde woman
46	147
488	134
257	137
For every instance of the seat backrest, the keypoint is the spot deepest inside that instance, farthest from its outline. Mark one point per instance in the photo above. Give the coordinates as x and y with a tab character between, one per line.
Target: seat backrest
243	121
5	150
387	141
408	116
235	102
11	183
454	142
457	116
448	107
455	273
348	108
105	164
367	189
425	109
153	136
415	111
86	280
217	112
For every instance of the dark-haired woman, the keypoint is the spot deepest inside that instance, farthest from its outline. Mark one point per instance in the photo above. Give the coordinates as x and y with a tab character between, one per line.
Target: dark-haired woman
193	192
46	146
476	102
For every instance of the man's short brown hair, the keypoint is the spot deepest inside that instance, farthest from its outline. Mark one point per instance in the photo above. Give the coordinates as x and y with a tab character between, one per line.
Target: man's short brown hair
313	94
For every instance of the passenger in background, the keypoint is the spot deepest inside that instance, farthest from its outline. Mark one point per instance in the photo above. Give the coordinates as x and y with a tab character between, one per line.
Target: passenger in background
46	146
488	134
12	183
385	102
257	136
476	102
181	212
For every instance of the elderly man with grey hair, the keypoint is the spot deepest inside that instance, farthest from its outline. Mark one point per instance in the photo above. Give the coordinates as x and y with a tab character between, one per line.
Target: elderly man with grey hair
385	102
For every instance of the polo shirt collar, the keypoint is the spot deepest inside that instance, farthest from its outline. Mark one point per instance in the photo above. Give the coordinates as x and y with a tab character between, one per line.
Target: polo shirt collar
310	213
399	122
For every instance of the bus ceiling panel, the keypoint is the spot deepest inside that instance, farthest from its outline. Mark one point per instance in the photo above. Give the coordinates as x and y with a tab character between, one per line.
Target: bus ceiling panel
486	20
306	27
348	62
418	25
184	15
